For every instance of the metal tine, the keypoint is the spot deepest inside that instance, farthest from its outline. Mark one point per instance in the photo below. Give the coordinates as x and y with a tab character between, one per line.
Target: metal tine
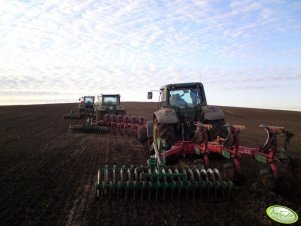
180	183
186	194
218	180
213	181
169	171
230	191
191	177
186	189
118	186
199	179
143	185
165	183
149	190
224	187
204	173
134	184
110	191
179	192
126	193
157	183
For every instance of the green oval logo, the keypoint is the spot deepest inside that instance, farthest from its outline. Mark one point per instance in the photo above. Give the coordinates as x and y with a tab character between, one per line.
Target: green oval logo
282	214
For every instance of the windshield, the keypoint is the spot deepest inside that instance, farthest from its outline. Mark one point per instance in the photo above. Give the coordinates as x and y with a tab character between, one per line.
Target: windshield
110	100
185	97
89	100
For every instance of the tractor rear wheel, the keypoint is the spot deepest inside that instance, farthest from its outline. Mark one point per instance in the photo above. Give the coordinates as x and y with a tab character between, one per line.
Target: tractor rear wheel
121	112
218	129
99	115
142	134
165	132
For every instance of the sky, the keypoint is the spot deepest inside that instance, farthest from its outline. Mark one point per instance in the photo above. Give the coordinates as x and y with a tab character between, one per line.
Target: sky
247	53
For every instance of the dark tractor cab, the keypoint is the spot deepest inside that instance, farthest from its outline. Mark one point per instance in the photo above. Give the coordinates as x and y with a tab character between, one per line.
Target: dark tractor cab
181	106
86	103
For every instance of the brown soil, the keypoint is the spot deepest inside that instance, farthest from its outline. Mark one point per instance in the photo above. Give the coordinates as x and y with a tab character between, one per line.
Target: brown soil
47	174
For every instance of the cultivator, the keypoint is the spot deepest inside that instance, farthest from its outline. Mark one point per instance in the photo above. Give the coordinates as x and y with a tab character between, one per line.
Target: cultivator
230	148
72	115
185	130
122	124
158	182
160	179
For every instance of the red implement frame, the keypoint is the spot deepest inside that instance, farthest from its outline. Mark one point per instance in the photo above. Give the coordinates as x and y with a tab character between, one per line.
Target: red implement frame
230	147
123	123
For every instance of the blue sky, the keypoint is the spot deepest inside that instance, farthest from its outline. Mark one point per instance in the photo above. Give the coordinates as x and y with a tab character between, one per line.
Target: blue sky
247	53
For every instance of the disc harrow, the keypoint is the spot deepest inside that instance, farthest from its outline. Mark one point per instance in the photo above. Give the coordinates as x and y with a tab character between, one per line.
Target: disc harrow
161	183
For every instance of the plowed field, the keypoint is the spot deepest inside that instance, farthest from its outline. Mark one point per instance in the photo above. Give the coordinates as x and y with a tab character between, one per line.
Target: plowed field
47	174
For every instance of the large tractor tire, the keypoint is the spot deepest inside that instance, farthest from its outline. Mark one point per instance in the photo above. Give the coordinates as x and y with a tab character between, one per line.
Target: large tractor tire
121	112
165	132
142	134
218	129
99	115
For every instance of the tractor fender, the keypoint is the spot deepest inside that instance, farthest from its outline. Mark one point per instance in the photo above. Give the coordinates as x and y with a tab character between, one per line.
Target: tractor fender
120	108
101	108
166	116
213	113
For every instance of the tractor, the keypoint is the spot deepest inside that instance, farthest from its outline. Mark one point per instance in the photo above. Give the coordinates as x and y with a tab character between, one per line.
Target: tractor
106	109
108	104
85	108
183	134
181	106
86	104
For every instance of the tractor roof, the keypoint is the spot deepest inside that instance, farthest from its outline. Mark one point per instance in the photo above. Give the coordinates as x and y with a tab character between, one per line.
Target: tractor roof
183	85
110	94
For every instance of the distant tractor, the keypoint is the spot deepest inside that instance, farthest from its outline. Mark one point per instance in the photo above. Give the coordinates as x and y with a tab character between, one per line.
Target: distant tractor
85	108
86	104
108	104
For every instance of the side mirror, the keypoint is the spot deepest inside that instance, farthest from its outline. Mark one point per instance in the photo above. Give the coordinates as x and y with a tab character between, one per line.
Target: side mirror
149	95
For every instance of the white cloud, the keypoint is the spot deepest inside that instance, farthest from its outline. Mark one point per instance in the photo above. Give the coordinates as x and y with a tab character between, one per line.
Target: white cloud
74	46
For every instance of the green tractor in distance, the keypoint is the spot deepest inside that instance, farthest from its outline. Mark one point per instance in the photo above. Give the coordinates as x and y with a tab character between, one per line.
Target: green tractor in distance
86	104
108	104
85	108
181	106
